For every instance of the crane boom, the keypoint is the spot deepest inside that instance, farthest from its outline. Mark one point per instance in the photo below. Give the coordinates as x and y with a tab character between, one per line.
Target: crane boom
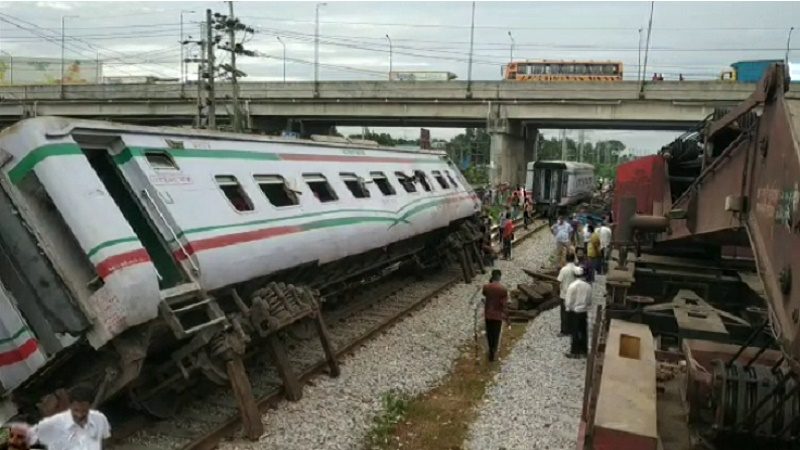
749	190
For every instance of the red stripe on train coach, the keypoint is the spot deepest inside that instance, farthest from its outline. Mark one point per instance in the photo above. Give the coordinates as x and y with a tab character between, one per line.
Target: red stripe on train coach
107	266
236	238
20	353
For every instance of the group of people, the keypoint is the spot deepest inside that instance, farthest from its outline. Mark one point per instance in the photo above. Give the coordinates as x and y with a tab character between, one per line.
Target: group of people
583	251
78	428
595	241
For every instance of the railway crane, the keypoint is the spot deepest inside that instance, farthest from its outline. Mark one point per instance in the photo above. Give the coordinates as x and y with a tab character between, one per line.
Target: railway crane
698	345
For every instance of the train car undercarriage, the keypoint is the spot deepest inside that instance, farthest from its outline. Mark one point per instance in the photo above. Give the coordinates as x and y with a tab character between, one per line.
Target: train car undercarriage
205	339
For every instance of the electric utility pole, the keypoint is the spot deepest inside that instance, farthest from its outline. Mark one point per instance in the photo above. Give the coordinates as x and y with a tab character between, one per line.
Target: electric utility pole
230	25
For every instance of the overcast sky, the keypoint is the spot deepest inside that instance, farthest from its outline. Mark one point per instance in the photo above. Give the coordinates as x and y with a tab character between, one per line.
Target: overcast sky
697	39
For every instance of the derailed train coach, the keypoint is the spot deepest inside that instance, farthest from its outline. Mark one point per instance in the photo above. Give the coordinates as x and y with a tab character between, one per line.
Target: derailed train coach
564	183
126	252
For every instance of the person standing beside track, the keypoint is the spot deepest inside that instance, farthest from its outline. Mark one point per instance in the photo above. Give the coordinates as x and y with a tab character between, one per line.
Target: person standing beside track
578	301
605	245
593	251
78	428
562	230
566	276
494	311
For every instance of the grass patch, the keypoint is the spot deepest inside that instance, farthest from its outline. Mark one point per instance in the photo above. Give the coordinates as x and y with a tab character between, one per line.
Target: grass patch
395	407
440	418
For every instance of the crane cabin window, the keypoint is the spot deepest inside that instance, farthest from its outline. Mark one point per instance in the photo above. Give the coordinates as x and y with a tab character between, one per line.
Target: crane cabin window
420	175
320	188
383	183
440	179
355	185
160	161
275	189
406	181
233	191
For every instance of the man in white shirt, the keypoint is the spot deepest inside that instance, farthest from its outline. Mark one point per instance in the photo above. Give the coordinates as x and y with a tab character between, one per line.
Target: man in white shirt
78	428
578	301
605	245
566	276
562	231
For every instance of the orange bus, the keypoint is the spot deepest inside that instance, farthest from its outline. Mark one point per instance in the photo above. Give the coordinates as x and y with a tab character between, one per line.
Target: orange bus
564	71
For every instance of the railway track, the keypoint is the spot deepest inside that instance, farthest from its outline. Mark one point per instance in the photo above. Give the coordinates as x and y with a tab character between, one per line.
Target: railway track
203	423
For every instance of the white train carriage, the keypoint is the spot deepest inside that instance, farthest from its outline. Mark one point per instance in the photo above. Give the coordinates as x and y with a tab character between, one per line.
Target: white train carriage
105	228
564	183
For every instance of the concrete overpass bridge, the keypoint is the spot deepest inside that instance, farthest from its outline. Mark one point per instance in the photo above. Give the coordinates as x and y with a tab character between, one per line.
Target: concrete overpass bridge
512	111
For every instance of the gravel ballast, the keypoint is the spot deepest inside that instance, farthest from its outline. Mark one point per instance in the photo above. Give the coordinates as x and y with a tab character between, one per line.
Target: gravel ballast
412	357
535	400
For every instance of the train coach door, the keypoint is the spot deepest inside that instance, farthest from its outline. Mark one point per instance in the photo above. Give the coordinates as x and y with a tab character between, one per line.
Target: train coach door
170	273
546	185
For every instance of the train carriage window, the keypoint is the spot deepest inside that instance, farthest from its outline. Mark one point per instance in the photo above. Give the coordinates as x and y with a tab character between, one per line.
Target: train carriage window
537	69
548	69
452	180
320	187
383	183
160	161
420	175
275	189
355	185
233	190
440	179
595	69
406	181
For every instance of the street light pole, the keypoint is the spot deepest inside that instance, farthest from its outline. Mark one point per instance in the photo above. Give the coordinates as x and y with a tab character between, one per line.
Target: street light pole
183	63
62	52
390	56
316	50
788	41
511	53
471	43
284	57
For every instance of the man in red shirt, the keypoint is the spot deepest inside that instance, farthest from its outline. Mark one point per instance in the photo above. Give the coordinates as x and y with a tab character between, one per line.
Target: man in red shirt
508	236
494	312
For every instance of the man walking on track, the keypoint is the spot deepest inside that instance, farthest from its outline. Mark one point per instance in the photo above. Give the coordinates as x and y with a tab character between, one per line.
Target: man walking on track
508	236
578	301
494	312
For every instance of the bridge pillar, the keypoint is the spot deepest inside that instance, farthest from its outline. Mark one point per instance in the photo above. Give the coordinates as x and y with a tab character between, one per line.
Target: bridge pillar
511	147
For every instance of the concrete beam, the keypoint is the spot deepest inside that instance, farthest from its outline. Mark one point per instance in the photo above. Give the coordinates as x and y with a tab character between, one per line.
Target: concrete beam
617	114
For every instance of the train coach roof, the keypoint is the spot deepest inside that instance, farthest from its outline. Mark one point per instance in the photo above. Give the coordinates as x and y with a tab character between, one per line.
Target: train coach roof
56	127
569	165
